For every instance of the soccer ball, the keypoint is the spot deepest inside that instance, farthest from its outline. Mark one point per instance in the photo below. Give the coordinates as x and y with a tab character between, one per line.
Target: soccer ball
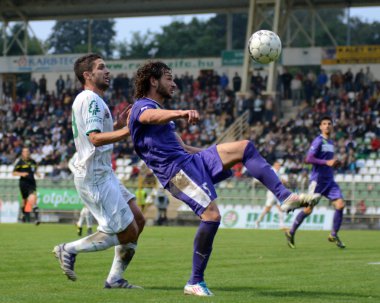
264	46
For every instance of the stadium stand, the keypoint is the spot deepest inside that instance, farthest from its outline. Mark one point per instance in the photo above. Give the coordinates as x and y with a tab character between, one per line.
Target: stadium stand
43	122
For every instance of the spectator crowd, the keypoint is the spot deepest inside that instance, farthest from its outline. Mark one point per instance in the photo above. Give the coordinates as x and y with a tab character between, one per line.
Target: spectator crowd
41	119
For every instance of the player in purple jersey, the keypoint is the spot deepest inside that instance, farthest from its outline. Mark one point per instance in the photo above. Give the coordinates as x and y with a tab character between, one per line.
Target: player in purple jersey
189	173
321	155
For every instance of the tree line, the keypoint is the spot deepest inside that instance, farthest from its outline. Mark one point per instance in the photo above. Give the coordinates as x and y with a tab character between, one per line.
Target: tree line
197	38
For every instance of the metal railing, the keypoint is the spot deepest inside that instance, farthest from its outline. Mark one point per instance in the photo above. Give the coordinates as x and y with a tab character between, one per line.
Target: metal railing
236	131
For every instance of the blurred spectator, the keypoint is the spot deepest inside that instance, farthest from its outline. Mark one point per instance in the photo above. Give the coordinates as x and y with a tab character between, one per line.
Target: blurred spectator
258	109
141	196
236	82
268	110
161	201
60	86
32	120
359	80
42	84
360	210
47	149
321	80
347	80
68	84
296	87
33	87
224	81
286	79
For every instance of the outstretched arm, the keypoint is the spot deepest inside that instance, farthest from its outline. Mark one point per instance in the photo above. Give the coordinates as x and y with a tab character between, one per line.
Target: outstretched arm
163	116
99	139
121	130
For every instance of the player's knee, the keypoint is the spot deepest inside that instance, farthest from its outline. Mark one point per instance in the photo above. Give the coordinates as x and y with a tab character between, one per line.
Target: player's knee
308	210
244	144
130	234
213	216
211	213
339	204
216	218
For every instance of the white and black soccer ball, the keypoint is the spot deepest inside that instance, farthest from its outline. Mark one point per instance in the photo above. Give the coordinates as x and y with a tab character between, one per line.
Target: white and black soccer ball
264	46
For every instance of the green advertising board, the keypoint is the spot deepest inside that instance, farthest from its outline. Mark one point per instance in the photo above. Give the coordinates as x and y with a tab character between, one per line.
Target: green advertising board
58	199
232	57
236	58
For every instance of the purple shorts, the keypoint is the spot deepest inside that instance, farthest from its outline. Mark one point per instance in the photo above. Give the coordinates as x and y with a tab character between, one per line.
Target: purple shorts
330	190
194	183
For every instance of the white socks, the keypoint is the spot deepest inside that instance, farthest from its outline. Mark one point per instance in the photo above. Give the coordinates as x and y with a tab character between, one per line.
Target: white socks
123	255
95	242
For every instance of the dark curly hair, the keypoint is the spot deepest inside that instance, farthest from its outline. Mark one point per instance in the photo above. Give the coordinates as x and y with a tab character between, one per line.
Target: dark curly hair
85	64
150	69
328	118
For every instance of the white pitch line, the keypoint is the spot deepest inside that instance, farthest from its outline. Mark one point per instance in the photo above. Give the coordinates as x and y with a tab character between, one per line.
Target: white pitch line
374	263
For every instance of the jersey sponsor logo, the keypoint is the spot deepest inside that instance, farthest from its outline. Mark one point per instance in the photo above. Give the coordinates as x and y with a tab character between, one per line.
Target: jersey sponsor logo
327	148
94	120
93	108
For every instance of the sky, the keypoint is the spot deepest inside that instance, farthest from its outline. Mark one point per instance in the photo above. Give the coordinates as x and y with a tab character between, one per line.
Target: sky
126	26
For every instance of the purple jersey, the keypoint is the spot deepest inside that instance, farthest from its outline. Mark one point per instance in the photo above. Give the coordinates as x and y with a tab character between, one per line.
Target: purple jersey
322	149
156	144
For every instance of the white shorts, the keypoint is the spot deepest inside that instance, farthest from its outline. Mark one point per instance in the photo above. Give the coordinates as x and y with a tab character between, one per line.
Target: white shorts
271	199
108	202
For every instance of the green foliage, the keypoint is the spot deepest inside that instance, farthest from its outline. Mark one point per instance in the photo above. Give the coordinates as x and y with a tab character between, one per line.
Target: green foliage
122	49
246	266
194	39
34	45
365	33
72	36
208	38
141	46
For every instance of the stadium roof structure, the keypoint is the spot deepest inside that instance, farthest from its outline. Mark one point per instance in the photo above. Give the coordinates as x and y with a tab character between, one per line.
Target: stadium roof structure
30	10
283	13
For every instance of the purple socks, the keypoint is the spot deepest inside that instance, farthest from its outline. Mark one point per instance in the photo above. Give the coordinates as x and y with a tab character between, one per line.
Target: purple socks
298	221
202	249
259	168
337	221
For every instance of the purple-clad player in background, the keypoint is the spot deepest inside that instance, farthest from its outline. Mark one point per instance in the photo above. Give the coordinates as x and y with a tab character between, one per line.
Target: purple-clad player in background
189	173
321	155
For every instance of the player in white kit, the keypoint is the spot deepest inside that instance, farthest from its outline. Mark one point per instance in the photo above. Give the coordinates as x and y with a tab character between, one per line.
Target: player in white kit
119	219
272	200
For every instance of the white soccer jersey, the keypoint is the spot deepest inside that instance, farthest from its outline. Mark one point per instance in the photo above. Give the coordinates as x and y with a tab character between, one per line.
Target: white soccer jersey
90	113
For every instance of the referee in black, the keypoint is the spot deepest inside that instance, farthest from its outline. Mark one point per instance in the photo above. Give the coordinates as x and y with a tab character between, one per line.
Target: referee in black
26	168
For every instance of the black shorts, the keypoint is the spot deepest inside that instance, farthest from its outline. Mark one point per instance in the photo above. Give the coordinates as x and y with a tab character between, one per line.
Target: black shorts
26	190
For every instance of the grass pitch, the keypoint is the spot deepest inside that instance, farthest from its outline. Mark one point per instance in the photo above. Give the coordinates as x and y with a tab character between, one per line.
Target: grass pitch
246	266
